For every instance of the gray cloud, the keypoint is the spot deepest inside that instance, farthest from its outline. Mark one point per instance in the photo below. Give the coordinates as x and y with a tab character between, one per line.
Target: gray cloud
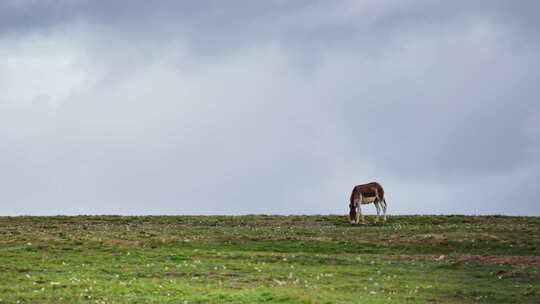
280	107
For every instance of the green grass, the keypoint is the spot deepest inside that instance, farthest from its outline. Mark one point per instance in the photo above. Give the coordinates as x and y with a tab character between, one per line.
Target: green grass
269	259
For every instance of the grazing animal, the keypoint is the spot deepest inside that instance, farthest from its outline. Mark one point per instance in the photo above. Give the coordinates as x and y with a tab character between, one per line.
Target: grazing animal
366	194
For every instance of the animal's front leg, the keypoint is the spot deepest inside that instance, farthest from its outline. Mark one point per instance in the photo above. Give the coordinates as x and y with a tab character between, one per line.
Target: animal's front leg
352	213
359	214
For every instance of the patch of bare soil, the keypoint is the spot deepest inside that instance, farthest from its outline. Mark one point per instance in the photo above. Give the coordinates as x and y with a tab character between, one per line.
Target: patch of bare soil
432	238
109	241
476	235
512	259
438	238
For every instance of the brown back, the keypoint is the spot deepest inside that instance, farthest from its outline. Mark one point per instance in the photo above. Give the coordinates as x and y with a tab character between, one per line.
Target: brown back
369	190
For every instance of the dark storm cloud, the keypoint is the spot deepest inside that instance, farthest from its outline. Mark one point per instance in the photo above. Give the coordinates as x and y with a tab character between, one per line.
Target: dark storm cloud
275	107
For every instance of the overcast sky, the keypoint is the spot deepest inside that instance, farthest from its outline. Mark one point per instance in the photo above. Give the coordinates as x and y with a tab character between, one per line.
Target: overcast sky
274	107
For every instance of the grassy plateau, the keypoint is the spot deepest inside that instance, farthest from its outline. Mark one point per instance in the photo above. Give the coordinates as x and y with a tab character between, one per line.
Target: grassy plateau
269	259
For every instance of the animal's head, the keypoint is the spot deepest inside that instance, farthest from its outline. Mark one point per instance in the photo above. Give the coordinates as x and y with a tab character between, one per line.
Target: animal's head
352	213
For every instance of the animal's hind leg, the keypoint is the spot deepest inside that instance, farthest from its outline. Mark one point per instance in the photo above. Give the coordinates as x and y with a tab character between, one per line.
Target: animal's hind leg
378	206
377	202
384	209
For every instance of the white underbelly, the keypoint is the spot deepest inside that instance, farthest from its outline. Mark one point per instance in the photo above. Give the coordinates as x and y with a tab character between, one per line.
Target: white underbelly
368	199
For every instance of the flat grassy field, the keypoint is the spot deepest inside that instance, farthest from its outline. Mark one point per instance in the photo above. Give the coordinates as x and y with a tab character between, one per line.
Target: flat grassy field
269	259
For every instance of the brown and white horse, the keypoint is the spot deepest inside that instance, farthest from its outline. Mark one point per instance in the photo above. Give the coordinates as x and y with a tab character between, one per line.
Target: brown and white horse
366	194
